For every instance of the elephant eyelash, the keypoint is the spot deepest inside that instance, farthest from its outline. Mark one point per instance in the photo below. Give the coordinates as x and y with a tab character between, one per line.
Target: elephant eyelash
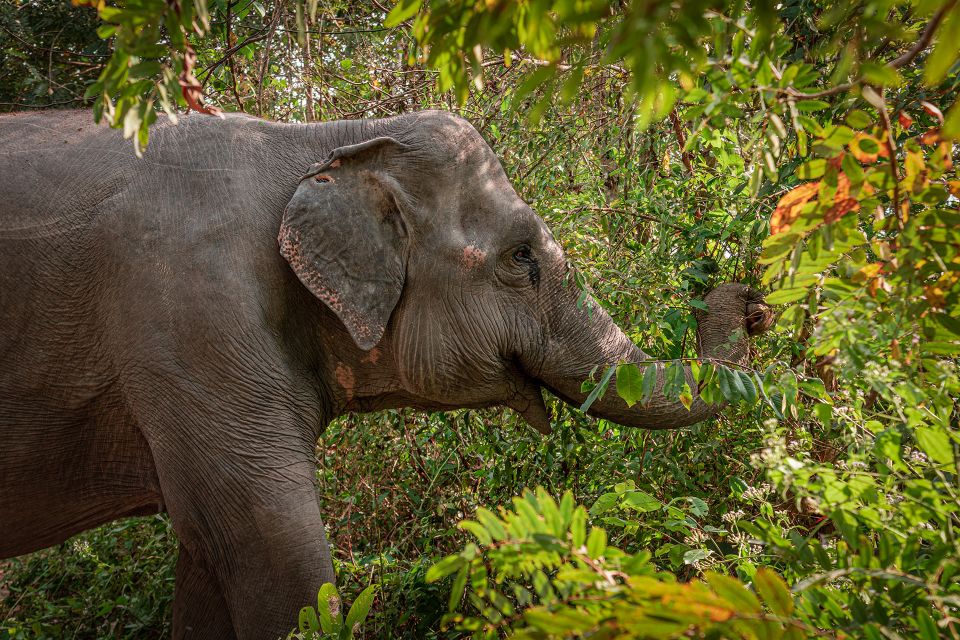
323	178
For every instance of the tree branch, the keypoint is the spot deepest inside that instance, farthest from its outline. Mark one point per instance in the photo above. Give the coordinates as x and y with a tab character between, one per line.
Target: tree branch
922	43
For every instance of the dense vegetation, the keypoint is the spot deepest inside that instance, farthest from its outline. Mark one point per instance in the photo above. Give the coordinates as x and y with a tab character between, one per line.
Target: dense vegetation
804	147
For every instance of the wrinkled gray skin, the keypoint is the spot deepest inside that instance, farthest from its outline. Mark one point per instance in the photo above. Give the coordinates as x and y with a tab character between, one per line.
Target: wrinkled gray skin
176	331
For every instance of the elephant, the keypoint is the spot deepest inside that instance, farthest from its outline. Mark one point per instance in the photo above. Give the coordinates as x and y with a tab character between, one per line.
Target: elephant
177	330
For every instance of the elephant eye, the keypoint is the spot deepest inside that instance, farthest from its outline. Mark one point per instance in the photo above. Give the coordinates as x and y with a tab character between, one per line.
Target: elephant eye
523	254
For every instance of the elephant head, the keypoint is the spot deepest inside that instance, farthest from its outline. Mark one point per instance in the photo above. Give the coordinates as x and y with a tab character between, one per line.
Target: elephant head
415	239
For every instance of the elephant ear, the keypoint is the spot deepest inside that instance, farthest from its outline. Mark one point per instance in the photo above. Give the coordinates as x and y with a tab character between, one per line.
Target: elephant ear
343	235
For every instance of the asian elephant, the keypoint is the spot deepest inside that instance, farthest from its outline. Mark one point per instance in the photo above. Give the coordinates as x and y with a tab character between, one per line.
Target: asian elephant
175	331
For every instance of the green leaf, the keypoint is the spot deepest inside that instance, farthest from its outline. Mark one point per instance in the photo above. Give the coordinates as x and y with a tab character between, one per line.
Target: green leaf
106	31
596	542
734	592
946	51
940	348
926	625
328	606
649	384
812	169
578	527
880	74
445	567
749	391
786	296
641	501
951	126
599	389
774	592
726	384
491	523
859	119
629	383
478	530
808	106
604	503
567	504
308	620
404	10
698	507
459	584
360	608
560	622
936	444
951	324
695	555
756	178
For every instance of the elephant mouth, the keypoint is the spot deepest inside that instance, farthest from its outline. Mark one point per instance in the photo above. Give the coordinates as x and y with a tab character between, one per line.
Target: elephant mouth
527	399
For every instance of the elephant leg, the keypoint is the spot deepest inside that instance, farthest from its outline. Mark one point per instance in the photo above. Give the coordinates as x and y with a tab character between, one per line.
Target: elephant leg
264	546
239	487
196	584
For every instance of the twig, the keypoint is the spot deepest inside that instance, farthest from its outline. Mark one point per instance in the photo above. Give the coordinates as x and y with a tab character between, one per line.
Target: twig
678	132
925	37
265	62
922	42
233	68
62	52
228	54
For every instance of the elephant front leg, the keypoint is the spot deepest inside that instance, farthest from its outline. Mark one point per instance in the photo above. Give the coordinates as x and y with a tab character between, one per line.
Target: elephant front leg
262	556
195	583
245	508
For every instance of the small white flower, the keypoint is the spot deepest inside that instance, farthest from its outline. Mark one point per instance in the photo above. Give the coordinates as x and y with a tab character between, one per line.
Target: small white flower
696	538
740	539
732	516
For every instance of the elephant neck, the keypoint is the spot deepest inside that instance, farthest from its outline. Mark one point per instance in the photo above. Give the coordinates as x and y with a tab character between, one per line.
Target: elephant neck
361	381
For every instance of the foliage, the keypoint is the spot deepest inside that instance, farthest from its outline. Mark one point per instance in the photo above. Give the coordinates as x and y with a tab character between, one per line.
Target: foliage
570	583
150	61
49	53
326	621
115	581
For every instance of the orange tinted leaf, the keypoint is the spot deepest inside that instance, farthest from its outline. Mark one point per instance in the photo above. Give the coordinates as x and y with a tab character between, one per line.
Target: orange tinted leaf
932	110
954	187
842	202
930	136
946	152
695	601
790	206
866	148
191	87
905	120
935	295
841	208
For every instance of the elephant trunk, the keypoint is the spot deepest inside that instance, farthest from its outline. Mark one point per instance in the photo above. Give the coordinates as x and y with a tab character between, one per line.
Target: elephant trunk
591	340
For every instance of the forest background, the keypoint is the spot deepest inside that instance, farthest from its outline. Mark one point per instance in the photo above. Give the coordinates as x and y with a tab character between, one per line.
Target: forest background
804	147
